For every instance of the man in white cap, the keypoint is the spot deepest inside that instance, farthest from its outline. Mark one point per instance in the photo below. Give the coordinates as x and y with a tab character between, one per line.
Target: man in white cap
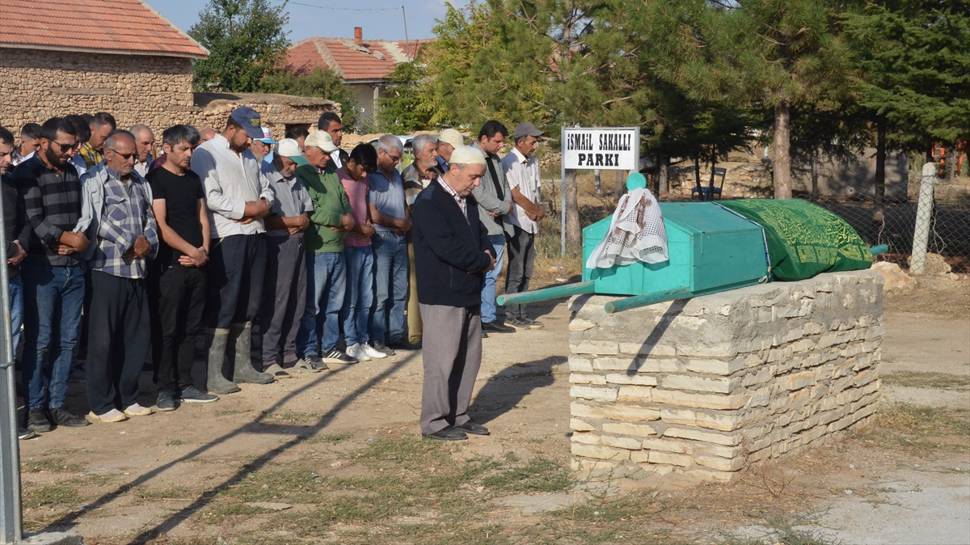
284	288
262	148
452	254
522	173
448	140
238	197
332	219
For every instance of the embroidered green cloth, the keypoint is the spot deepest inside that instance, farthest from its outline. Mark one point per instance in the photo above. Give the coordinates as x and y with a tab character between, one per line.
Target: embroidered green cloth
804	239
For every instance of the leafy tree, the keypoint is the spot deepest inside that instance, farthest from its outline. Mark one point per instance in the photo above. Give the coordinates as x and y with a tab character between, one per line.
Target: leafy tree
404	107
319	83
245	39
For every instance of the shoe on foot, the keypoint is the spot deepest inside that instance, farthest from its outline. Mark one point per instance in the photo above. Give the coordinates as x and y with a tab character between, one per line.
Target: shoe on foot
137	410
372	352
63	417
381	347
529	323
166	401
310	365
337	356
38	422
24	434
357	352
447	434
110	417
277	371
191	394
473	428
497	327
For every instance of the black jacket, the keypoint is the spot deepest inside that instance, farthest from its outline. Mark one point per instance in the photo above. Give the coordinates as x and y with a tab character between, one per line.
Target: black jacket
449	251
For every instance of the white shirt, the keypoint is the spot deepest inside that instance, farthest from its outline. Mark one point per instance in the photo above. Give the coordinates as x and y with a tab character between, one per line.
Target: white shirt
230	179
335	159
17	159
522	172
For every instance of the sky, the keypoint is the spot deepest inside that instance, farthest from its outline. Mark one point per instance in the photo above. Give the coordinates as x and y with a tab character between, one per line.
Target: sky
381	19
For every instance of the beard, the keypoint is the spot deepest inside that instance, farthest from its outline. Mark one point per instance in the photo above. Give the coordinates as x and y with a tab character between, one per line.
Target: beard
53	158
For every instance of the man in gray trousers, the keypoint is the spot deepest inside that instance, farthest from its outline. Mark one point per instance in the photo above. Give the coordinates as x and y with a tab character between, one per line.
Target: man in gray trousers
452	254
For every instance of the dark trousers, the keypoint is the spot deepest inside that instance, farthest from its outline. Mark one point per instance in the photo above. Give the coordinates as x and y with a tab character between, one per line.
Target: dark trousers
451	355
181	304
118	341
522	257
284	298
236	267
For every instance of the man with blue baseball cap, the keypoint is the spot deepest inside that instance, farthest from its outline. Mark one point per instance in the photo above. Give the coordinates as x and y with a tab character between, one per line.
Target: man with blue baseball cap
238	196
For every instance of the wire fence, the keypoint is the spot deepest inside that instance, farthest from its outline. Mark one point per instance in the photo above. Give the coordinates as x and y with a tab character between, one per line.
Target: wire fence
892	224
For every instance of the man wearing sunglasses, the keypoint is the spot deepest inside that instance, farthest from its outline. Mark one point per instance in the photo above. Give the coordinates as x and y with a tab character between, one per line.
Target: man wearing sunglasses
118	219
53	275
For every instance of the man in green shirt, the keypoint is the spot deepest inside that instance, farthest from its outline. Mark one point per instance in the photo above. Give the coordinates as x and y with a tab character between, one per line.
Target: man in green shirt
331	219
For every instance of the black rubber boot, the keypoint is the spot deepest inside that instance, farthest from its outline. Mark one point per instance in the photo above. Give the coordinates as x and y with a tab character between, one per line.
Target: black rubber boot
216	383
243	370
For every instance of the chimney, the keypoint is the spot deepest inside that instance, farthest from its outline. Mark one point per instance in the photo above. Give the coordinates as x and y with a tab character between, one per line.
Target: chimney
359	34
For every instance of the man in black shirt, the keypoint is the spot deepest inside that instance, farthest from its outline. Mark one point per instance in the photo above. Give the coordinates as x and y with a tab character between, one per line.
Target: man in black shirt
178	200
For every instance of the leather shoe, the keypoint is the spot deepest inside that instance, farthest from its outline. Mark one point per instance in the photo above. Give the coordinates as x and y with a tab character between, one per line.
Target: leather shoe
473	428
406	345
447	434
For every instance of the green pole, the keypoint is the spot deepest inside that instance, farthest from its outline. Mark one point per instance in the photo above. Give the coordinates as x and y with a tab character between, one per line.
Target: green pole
555	292
644	300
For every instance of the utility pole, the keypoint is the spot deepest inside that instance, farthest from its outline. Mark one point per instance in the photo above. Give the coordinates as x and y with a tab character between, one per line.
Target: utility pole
10	514
404	15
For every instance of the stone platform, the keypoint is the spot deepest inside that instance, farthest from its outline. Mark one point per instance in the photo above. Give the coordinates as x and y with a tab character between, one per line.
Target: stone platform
708	386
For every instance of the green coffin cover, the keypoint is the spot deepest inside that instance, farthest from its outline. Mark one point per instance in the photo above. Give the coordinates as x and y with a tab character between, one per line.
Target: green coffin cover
804	239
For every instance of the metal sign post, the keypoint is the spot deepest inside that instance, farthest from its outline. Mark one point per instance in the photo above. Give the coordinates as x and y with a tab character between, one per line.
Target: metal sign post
595	148
10	515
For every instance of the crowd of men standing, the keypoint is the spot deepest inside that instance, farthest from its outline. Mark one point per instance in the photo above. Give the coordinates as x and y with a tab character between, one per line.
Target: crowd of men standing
230	244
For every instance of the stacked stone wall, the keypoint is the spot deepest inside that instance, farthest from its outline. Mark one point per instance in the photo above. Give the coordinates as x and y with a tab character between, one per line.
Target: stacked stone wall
709	386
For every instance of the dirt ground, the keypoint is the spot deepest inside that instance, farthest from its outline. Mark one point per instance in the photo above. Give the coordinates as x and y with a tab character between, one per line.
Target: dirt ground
335	458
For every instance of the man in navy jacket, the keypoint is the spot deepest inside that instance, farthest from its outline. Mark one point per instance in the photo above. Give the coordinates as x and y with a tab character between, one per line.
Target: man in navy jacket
452	255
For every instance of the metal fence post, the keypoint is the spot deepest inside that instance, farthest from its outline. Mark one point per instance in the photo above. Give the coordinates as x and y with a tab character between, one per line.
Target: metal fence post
10	515
924	213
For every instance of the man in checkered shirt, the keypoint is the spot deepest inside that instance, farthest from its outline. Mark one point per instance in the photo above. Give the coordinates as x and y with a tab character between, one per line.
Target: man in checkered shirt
119	221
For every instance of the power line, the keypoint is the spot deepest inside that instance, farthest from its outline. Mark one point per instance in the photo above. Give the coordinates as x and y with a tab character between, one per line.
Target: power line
331	8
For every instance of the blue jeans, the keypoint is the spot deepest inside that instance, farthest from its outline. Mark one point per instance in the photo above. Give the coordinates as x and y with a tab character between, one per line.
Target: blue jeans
360	293
53	297
325	288
391	285
16	289
488	290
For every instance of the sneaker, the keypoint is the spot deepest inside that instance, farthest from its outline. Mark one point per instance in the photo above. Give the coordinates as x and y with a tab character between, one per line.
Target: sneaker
24	434
336	356
381	347
276	371
137	410
530	323
310	365
166	401
372	352
497	327
63	417
110	417
191	394
356	351
38	422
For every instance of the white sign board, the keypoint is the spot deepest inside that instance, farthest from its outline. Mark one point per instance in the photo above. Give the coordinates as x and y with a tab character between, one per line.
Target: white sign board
603	149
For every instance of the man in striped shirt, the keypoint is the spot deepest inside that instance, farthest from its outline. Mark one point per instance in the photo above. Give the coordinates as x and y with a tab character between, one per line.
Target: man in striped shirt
119	220
52	274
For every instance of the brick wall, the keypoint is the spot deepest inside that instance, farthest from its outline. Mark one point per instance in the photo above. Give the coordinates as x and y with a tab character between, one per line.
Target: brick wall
708	387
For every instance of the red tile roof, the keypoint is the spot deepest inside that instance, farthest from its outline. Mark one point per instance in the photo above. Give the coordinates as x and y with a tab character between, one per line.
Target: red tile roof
365	61
111	26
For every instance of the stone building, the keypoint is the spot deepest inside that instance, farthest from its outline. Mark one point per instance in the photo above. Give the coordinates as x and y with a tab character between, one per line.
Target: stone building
365	66
59	57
